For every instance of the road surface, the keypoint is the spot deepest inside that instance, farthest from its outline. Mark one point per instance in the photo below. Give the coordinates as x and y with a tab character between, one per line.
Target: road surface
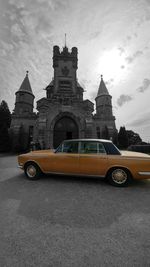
71	222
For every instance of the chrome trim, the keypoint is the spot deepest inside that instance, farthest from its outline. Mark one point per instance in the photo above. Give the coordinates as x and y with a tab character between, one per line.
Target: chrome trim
144	173
119	176
20	166
134	158
76	174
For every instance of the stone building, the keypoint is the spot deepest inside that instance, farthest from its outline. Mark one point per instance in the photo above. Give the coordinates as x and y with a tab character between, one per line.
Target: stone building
62	113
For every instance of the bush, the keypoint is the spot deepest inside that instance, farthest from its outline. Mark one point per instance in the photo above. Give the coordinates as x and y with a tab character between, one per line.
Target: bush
5	120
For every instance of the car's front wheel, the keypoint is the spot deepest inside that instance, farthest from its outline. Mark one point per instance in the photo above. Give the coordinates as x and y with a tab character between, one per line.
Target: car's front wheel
119	177
32	171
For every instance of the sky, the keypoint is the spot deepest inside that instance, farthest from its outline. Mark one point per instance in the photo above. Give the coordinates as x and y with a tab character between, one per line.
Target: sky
112	37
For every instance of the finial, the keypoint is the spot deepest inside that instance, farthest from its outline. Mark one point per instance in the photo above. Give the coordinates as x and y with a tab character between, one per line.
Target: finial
101	77
65	39
27	72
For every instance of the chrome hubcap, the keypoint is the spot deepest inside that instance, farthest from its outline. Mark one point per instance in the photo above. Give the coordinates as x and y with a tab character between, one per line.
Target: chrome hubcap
119	176
31	171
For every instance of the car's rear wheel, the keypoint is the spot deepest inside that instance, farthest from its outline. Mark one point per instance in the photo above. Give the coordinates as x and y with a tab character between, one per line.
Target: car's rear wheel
32	171
119	177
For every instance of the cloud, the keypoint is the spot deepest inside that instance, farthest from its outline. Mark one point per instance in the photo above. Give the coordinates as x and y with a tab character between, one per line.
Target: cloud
16	30
121	50
6	46
142	120
129	37
19	4
94	35
134	56
109	82
144	86
123	99
35	18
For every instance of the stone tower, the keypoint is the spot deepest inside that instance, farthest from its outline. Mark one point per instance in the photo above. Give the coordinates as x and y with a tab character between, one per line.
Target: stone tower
24	98
63	114
64	88
23	117
104	115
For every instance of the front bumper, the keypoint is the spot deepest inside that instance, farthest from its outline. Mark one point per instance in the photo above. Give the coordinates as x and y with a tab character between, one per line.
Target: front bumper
20	166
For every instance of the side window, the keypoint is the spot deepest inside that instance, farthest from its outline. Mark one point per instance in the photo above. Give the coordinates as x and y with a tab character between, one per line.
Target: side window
88	148
70	147
59	149
101	148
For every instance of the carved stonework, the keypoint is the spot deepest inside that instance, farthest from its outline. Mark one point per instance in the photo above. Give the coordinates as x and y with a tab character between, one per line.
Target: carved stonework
74	63
65	71
63	113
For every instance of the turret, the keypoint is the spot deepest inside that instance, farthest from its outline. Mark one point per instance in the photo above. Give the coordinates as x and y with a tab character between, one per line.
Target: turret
103	102
24	98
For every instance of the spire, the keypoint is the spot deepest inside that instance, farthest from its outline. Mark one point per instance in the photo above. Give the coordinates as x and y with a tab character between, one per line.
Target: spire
65	39
102	88
25	86
65	48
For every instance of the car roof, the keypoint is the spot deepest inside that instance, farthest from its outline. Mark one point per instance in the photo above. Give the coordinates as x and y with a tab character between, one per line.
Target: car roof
89	140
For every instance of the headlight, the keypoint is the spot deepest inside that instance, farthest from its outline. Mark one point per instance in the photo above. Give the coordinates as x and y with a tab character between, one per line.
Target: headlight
20	165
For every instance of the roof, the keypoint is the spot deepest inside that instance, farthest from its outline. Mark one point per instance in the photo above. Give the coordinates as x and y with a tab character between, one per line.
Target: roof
51	83
90	139
25	86
78	85
102	88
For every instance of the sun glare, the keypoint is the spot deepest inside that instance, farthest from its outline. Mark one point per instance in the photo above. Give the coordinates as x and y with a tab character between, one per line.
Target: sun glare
111	64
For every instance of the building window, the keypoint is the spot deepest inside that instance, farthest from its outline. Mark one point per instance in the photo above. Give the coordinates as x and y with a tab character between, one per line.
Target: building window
65	85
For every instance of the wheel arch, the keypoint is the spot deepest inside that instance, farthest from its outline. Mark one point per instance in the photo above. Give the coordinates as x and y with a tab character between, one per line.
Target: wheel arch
116	167
32	161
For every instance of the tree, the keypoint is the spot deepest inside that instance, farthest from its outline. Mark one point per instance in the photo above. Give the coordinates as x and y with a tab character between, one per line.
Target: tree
115	138
5	115
133	138
5	121
123	138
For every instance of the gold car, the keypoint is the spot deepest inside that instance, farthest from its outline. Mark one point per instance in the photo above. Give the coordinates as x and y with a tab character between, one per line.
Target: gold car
87	157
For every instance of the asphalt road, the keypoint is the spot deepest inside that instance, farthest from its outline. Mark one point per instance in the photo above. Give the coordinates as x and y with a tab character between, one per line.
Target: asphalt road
71	222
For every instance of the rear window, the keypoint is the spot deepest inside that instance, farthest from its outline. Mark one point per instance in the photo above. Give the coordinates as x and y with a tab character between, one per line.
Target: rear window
111	149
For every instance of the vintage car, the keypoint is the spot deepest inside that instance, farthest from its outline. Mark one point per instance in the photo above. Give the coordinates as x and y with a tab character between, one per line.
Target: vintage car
87	157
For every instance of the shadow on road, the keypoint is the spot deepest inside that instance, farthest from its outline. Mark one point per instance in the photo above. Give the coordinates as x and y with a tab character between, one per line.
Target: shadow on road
74	201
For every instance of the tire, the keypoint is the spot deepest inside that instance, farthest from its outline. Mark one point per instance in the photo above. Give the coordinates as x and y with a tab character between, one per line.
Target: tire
119	177
32	171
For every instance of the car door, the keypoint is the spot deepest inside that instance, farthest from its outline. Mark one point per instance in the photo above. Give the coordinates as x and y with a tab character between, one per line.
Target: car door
93	159
65	159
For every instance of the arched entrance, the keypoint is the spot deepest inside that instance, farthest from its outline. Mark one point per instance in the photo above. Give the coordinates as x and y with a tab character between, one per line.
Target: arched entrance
65	128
